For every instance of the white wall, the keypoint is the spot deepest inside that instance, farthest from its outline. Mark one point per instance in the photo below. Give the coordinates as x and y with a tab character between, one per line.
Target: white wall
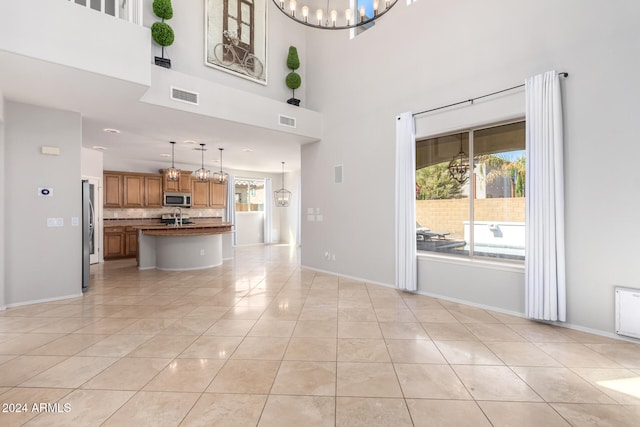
56	31
289	215
187	51
91	163
437	52
41	262
249	228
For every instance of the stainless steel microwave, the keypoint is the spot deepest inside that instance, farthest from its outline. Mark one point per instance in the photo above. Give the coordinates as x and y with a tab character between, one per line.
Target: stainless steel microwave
182	200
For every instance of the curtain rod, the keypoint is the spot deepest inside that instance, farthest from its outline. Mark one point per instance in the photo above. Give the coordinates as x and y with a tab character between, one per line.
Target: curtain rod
562	74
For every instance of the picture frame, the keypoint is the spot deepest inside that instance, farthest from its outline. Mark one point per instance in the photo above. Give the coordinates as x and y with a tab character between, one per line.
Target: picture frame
236	37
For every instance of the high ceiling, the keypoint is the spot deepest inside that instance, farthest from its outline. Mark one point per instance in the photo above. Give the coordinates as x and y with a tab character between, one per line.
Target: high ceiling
145	129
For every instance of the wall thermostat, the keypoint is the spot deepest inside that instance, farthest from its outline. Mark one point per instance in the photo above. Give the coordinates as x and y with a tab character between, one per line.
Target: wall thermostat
46	192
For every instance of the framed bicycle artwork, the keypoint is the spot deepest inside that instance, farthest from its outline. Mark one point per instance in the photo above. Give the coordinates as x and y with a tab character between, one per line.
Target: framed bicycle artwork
236	37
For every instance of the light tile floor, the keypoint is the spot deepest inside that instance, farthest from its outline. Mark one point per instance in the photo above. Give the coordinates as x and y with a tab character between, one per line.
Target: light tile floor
261	342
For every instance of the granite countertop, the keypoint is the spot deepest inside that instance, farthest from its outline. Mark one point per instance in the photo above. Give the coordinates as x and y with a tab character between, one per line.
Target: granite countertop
115	222
200	228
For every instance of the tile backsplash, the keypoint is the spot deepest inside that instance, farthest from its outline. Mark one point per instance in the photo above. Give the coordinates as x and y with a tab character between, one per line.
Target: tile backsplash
109	213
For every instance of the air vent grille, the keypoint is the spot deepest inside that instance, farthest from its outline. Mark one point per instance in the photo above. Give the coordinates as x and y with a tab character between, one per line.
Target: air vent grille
286	121
184	96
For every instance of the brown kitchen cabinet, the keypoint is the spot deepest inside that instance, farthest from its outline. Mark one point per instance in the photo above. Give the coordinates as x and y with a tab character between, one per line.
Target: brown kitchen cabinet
208	194
131	242
153	191
200	194
133	191
114	242
217	195
120	242
113	197
183	185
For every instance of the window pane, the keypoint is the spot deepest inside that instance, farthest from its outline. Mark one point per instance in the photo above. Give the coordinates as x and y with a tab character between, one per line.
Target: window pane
242	197
499	210
442	202
249	195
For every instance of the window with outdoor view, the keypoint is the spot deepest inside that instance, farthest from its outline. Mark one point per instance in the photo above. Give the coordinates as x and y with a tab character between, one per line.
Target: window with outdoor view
249	195
472	208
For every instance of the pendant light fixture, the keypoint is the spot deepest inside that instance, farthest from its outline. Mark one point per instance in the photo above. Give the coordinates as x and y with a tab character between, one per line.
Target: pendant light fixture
173	174
220	177
459	166
338	15
202	174
283	196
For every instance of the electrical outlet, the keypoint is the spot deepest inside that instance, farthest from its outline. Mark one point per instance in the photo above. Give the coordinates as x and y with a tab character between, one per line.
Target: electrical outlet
333	257
201	252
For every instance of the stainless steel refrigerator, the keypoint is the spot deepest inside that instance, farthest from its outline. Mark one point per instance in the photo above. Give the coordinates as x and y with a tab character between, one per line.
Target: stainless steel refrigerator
88	227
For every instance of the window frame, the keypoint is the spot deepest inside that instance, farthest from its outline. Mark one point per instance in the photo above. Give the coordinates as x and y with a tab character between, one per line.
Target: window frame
471	257
251	180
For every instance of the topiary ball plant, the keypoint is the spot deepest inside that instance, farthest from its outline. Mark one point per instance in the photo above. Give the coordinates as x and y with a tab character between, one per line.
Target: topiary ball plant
161	32
293	79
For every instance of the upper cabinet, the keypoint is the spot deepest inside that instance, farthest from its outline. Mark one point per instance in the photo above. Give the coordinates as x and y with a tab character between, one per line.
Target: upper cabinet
144	190
132	190
113	190
183	185
199	194
153	191
208	194
217	195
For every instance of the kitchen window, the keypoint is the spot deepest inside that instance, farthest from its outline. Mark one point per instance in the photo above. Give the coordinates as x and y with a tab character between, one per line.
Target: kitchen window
482	212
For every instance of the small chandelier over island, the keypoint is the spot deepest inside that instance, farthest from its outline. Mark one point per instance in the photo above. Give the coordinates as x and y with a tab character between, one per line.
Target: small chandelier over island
173	174
220	177
338	14
202	174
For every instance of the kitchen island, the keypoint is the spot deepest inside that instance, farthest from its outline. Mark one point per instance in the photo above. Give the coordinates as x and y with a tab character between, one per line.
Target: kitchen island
186	247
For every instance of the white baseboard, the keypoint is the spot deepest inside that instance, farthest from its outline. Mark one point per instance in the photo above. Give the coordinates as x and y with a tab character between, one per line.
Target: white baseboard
359	279
39	301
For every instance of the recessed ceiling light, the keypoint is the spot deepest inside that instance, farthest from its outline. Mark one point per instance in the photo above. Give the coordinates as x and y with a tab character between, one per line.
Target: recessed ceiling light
247	150
190	141
165	155
111	130
99	147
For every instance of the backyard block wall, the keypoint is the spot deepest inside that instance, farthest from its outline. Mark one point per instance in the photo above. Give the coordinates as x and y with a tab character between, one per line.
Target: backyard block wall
449	215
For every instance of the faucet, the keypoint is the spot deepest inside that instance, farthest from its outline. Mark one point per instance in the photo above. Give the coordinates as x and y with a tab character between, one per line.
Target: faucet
177	220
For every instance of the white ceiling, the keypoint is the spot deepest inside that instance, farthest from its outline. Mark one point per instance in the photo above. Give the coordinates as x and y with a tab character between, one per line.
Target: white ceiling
145	129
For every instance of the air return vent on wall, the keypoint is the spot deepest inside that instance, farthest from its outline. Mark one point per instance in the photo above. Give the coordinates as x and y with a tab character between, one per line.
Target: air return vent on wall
184	96
286	121
628	312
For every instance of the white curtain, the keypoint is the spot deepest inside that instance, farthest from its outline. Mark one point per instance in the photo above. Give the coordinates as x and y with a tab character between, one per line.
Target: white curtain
268	210
406	261
545	287
299	212
230	209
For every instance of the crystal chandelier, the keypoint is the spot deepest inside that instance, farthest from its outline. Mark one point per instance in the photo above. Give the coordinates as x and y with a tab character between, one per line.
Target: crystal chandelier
220	177
172	173
283	195
202	174
459	166
338	14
